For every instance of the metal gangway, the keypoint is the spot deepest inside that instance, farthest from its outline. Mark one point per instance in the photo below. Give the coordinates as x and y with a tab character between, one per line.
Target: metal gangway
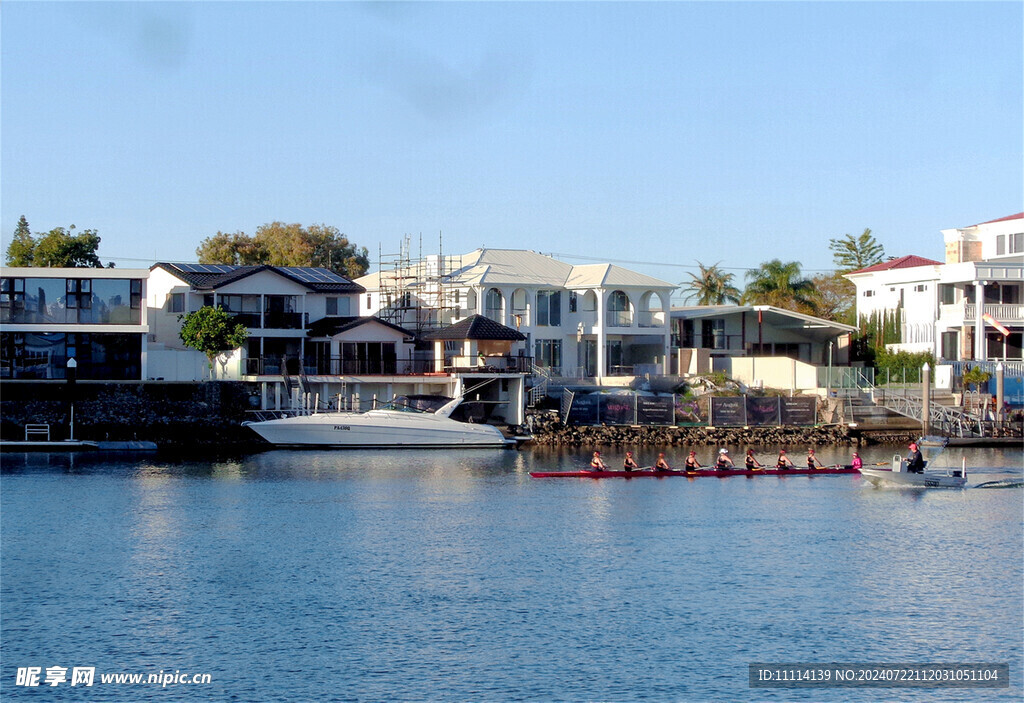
950	422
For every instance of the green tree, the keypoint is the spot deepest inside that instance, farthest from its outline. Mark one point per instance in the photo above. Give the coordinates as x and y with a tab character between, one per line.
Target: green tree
900	367
780	284
58	248
211	331
712	286
975	377
22	247
881	328
835	298
61	248
851	253
236	248
280	244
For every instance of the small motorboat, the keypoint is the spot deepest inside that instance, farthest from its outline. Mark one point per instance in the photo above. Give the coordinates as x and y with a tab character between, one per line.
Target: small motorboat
898	475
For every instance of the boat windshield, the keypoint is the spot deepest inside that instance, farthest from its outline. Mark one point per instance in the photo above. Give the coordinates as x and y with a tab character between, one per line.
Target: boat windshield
416	403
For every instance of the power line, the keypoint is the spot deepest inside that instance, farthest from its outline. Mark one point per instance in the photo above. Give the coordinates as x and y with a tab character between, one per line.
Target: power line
664	263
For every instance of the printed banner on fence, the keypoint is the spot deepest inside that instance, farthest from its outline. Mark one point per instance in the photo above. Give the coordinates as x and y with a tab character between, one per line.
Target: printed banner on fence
762	410
583	410
655	410
728	411
799	411
618	409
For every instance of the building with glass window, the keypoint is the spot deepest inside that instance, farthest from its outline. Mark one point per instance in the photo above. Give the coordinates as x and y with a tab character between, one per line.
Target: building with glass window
284	308
970	308
596	321
51	315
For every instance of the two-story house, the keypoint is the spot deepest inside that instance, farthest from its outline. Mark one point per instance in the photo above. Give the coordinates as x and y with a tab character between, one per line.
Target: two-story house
595	321
49	316
279	305
969	308
307	344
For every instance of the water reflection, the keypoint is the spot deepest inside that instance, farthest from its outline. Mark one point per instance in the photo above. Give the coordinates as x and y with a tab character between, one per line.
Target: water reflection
453	575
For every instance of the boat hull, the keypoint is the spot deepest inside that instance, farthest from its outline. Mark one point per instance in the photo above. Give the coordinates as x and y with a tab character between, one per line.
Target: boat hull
649	473
928	479
379	428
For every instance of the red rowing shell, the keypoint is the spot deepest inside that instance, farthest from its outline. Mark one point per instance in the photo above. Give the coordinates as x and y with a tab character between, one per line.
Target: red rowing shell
647	473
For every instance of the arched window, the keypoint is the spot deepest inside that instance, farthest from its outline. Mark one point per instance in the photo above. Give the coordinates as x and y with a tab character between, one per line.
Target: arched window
520	307
494	305
618	309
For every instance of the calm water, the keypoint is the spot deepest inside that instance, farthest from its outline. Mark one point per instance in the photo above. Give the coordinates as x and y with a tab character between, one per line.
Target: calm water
455	576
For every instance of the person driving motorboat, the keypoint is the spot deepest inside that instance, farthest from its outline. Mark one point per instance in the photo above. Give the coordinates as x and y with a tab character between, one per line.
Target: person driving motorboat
915	462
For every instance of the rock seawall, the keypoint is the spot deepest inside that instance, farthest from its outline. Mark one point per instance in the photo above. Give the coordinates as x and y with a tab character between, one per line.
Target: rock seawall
179	416
548	429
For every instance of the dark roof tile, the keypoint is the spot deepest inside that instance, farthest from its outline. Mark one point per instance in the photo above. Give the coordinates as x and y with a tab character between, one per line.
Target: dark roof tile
478	327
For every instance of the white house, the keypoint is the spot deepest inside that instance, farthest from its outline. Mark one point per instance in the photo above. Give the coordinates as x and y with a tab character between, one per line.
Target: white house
969	308
593	321
307	343
278	305
95	316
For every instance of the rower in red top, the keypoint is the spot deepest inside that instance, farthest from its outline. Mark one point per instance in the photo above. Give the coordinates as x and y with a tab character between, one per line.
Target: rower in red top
597	463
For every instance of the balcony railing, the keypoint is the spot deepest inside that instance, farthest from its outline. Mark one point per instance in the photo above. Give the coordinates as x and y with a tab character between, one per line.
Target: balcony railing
335	366
618	318
249	319
487	364
650	319
1002	312
282	320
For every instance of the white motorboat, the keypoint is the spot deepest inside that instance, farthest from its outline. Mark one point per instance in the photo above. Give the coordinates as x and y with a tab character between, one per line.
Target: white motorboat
397	424
929	478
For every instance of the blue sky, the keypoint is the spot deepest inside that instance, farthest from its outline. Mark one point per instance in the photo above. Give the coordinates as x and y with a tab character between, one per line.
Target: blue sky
659	133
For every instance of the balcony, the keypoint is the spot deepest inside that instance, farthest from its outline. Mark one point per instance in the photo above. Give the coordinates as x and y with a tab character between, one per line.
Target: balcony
618	318
650	319
282	320
487	364
335	366
1003	313
249	319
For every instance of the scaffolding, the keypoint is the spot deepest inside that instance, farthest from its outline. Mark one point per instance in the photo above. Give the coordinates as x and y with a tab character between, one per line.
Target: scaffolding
417	293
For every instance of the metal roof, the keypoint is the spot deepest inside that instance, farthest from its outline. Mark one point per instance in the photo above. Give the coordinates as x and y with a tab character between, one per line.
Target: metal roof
778	317
213	276
903	262
608	275
520	267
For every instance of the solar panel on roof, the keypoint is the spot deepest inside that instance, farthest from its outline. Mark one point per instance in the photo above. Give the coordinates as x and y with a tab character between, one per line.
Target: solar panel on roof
205	268
309	274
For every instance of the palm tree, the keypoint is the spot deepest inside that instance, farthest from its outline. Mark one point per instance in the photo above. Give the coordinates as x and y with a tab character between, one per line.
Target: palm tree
712	286
779	284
